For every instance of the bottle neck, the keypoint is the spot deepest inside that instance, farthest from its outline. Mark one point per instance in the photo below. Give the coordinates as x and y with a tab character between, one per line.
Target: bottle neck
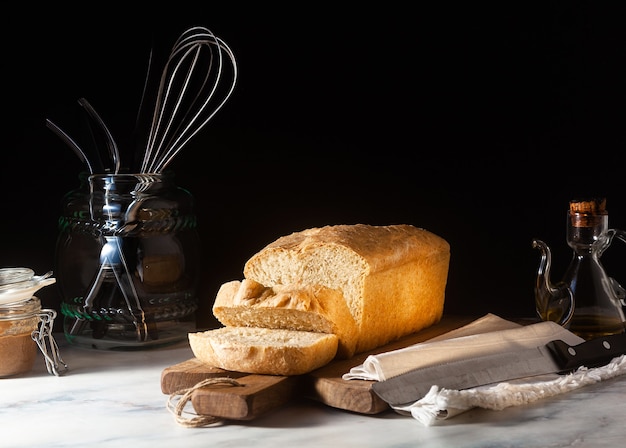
587	230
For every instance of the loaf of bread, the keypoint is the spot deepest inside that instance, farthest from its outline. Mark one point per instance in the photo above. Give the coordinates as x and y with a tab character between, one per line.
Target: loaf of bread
325	293
264	351
393	278
315	308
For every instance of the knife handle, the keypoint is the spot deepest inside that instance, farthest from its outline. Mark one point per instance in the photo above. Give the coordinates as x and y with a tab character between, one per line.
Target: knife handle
593	353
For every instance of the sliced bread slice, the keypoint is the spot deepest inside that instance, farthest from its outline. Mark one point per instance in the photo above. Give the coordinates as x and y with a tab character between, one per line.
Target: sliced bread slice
263	350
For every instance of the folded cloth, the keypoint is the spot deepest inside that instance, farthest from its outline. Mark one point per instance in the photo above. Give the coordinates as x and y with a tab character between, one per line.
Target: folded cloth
441	404
488	335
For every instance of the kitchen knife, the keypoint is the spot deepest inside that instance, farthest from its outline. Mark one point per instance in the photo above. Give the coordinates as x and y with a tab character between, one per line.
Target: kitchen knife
554	357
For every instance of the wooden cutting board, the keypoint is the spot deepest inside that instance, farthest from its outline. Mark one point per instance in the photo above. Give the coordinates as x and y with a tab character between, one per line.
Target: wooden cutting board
259	394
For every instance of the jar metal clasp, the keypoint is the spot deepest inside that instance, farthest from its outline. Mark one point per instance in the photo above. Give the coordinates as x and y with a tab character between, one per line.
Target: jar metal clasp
47	344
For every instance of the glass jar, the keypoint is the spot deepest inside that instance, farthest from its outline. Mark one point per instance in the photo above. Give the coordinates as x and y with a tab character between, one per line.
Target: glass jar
24	327
127	261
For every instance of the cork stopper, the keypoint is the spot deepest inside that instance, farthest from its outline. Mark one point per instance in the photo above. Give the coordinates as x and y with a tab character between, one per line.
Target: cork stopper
588	212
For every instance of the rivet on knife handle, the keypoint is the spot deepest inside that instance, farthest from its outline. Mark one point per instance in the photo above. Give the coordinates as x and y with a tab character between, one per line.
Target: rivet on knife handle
593	353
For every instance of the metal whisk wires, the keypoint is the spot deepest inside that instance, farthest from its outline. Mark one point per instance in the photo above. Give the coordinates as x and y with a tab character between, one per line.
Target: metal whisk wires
193	87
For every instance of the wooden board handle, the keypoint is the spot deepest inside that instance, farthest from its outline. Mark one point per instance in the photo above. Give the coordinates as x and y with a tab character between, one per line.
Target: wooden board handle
255	395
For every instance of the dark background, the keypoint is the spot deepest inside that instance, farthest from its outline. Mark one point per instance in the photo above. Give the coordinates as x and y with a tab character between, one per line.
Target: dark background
477	122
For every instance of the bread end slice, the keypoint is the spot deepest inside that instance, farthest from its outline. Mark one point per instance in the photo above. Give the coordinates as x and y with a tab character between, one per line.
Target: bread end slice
263	350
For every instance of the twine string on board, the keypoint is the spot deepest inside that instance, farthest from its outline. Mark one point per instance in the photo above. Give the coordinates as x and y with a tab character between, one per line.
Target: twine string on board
190	419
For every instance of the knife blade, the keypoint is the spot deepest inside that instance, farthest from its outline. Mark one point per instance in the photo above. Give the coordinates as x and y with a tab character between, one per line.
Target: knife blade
554	357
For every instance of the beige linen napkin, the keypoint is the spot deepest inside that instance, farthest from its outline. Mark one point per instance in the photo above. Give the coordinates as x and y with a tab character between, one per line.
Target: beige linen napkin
489	334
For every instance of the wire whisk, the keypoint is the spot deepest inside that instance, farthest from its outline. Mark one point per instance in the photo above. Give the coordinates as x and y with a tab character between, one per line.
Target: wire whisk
190	94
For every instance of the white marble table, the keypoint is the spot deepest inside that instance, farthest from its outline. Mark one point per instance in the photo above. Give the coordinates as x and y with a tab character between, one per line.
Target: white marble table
114	399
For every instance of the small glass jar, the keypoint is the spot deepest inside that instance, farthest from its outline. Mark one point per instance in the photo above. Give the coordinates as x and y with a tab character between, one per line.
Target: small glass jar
24	327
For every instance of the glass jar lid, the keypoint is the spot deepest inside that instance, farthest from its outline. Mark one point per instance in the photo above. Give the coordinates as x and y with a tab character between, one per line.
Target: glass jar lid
15	275
17	284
